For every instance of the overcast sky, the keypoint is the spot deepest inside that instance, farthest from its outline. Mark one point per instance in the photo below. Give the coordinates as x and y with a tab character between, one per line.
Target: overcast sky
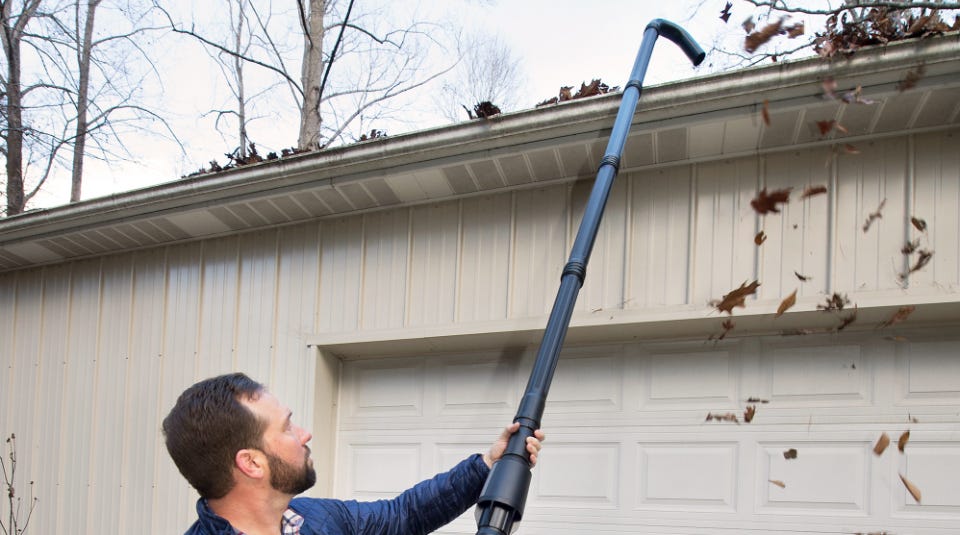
559	42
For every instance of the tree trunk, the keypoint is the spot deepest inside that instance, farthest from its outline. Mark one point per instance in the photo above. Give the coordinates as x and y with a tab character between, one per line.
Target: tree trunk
311	77
14	134
84	49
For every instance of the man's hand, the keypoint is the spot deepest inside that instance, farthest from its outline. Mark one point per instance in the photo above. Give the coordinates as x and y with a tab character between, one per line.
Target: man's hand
500	445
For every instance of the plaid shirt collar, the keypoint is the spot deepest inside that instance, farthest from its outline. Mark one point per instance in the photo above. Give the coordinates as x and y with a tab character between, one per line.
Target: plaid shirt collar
289	524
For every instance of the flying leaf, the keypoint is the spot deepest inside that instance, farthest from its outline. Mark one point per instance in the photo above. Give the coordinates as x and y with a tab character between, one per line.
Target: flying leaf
826	126
911	488
749	413
910	80
855	97
919	224
765	112
728	326
795	31
725	14
911	246
904	438
778	483
790	454
874	216
785	305
767	202
923	258
810	191
850	149
756	39
844	322
760	238
829	86
728	417
881	444
748	25
834	303
757	400
902	314
737	297
803	278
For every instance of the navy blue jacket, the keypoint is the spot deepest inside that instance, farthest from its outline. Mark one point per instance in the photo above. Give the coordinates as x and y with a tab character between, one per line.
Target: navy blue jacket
424	508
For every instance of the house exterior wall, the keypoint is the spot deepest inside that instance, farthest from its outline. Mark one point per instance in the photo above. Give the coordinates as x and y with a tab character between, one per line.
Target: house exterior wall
94	352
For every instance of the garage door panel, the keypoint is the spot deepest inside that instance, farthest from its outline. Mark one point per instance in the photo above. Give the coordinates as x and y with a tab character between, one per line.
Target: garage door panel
382	470
832	375
682	379
934	468
689	477
828	477
930	373
486	386
380	388
579	475
588	383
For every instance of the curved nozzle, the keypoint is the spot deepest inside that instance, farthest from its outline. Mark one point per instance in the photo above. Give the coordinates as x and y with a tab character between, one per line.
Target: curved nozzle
679	36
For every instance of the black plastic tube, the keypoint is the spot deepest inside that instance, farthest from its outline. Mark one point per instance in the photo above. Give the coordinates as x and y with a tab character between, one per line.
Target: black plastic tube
503	496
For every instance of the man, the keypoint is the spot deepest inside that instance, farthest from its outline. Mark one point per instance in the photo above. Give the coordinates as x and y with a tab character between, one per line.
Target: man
237	445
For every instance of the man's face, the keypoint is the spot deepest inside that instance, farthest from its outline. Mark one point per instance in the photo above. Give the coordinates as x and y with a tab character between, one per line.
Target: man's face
285	445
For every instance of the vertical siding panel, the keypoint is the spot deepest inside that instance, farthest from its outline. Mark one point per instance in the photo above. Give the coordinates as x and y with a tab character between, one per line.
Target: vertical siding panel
219	313
292	373
724	228
78	408
659	264
174	505
384	287
340	274
142	440
603	286
797	237
110	370
936	200
48	423
870	260
257	304
8	316
539	249
21	403
433	263
485	263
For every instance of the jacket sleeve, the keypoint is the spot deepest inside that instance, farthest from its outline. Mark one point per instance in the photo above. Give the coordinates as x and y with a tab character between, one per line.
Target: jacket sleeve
424	508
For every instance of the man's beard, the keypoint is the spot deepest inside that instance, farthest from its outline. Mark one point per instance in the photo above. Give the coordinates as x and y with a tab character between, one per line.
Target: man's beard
289	479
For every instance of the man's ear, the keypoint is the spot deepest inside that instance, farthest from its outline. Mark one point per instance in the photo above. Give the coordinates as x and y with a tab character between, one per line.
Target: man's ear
252	463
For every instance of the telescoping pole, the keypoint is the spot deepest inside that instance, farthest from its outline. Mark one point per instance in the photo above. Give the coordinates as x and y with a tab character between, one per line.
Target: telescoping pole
501	502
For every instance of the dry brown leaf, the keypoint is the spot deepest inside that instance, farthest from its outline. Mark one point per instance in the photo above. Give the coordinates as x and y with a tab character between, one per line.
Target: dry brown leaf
756	39
765	202
728	326
760	238
728	417
834	303
909	247
810	191
795	31
845	321
737	297
923	258
904	438
765	112
910	80
919	224
757	400
881	444
850	149
911	488
829	86
790	454
748	25
785	305
778	483
749	413
900	315
874	216
725	14
803	278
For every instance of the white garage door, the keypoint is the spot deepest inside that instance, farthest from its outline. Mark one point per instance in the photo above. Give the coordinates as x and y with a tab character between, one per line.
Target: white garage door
629	449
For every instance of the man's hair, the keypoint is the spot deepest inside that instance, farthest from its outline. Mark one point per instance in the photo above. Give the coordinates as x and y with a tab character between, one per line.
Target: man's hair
208	426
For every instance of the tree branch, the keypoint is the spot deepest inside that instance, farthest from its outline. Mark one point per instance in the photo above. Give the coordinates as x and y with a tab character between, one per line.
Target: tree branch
778	5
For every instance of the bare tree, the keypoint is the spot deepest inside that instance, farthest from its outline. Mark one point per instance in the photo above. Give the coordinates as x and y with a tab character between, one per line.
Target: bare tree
81	96
15	524
352	65
488	71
